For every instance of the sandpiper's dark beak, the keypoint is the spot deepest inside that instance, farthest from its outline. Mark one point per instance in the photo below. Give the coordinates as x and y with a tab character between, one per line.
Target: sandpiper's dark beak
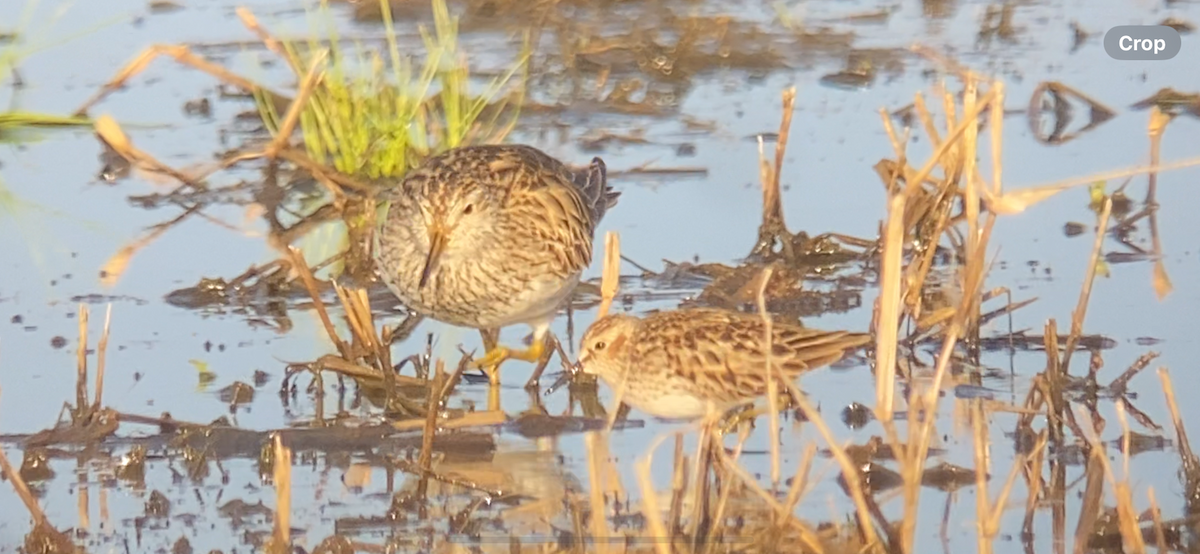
566	376
437	243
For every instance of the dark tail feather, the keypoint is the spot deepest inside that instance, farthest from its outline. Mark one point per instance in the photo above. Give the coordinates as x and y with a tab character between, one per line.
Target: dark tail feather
594	184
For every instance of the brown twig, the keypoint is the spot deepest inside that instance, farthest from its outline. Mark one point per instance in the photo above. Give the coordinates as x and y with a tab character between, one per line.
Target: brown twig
773	225
609	285
650	508
772	385
1158	125
850	471
807	536
1085	294
610	280
1185	447
269	41
22	490
597	449
431	416
311	78
101	350
468	419
887	320
310	283
1160	537
81	375
183	56
281	536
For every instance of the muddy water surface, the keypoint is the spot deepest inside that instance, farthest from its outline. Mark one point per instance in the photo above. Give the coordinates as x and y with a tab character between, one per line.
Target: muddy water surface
67	222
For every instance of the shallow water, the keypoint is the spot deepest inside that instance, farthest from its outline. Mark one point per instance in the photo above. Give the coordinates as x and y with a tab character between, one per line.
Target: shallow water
72	223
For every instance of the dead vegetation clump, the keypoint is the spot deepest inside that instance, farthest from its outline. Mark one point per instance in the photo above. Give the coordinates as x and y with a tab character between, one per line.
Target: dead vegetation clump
940	213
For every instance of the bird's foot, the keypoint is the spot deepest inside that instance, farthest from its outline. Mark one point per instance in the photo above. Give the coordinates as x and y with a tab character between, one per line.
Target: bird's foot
490	362
734	418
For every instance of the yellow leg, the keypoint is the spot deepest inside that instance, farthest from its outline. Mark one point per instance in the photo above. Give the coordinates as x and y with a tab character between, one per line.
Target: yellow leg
490	362
730	421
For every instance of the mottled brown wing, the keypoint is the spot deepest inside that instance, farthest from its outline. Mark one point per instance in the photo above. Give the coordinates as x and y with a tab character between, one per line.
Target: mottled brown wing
544	198
722	352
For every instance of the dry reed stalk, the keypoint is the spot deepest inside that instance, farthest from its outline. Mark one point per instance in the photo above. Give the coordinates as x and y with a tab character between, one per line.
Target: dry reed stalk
300	266
887	324
116	265
366	323
799	480
358	316
1127	517
311	78
354	370
1034	485
22	490
610	280
773	227
950	110
281	536
679	484
1086	293
969	148
772	384
1055	405
660	537
807	535
269	41
926	402
1184	446
105	515
989	513
357	307
969	119
982	507
110	132
610	284
898	145
434	399
329	178
785	125
850	472
83	496
772	205
467	420
926	120
81	371
887	317
1158	124
599	519
723	498
1093	494
700	466
183	56
996	125
101	356
1160	536
1017	201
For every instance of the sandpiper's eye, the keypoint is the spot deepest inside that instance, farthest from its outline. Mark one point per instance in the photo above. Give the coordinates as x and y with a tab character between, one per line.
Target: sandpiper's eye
600	345
469	209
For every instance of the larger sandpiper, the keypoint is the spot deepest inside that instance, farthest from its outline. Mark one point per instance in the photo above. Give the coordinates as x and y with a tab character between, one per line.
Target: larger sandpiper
492	236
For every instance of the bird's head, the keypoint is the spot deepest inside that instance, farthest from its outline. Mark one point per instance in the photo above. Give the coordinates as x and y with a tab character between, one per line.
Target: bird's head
605	350
450	221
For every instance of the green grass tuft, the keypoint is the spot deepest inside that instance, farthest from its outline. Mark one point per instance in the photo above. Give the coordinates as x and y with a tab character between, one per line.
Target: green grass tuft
376	119
14	48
